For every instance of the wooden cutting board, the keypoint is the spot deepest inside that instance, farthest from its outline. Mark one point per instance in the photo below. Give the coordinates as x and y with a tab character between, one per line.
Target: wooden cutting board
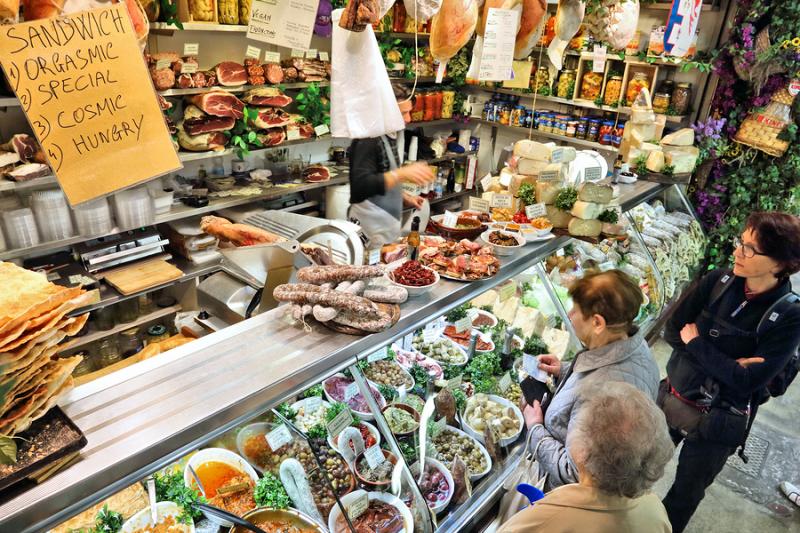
140	276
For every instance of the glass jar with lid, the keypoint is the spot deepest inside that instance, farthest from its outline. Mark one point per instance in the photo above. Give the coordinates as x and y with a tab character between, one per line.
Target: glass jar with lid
640	81
130	342
107	352
613	90
591	84
682	98
86	366
661	102
542	79
566	84
103	318
156	333
146	303
666	86
127	311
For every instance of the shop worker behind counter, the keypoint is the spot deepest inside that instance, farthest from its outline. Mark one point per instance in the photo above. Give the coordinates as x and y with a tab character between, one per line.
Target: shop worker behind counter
735	339
376	196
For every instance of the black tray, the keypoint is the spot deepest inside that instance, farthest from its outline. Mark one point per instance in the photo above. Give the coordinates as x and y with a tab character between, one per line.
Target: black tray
54	432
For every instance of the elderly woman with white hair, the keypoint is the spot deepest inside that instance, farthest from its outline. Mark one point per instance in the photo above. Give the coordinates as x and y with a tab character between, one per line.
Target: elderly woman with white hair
620	444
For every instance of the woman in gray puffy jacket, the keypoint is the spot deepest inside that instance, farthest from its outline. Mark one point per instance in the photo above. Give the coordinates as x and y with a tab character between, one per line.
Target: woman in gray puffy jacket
605	306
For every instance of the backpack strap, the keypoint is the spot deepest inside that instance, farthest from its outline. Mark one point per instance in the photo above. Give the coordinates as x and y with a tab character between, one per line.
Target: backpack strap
776	311
722	285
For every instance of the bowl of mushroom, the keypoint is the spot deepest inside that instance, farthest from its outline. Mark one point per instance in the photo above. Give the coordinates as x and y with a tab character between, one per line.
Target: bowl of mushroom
489	410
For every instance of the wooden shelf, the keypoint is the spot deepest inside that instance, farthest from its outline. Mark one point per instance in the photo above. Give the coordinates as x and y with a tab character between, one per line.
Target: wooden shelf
36	183
551	136
199	156
162	28
240	89
440	122
79	342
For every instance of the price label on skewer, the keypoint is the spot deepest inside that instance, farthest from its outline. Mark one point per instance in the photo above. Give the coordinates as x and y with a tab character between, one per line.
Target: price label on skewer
479	204
272	57
350	392
383	353
505	382
358	506
188	68
535	211
340	422
163	63
463	324
313	403
450	219
507	291
502	200
253	51
279	437
191	49
374	456
323	56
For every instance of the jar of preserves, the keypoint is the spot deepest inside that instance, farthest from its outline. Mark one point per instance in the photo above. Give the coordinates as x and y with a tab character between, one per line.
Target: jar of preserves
613	90
438	100
107	352
639	82
544	123
592	134
606	133
542	79
418	111
572	128
505	115
515	116
156	333
103	318
591	85
127	311
448	99
430	106
618	132
130	342
146	303
661	102
666	86
682	98
86	366
566	84
583	126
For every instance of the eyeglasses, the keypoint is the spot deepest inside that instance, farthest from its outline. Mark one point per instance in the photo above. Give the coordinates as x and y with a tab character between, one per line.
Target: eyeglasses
747	250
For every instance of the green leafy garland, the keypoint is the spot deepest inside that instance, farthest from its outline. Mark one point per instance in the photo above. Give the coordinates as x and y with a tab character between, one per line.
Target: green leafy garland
315	105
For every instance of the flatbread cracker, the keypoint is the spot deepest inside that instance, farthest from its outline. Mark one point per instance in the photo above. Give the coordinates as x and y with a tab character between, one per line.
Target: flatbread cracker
48	321
45	302
32	374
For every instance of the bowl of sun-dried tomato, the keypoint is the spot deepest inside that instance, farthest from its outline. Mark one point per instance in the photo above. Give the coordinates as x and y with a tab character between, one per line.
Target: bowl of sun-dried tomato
414	277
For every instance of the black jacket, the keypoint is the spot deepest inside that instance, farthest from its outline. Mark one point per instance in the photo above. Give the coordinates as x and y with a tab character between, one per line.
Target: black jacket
714	357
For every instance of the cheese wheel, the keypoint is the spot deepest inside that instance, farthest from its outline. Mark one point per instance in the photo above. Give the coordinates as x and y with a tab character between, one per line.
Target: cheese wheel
584	228
587	210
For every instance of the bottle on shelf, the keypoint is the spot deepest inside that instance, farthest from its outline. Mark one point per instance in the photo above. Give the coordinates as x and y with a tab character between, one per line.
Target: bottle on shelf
413	239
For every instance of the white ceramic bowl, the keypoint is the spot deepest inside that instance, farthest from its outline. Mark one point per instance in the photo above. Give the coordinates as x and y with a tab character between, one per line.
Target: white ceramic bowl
372	429
261	428
486	314
361	415
505	403
347	499
474	476
504	250
300	404
222	456
142	519
414	291
406	372
442	505
454	343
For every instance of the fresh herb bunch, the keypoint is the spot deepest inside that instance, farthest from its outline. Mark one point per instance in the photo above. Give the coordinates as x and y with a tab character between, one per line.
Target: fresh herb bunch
481	371
566	198
171	488
458	66
527	193
487	308
451	371
269	492
461	399
408	451
390	393
316	390
335	409
457	313
421	378
314	104
242	136
108	521
317	432
534	345
609	215
640	165
668	170
286	411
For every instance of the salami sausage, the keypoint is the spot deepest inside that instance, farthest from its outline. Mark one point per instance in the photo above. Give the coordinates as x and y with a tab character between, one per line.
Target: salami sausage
324	314
337	273
387	295
372	325
303	293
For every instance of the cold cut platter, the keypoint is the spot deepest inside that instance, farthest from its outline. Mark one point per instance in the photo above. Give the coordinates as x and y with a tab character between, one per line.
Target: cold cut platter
460	261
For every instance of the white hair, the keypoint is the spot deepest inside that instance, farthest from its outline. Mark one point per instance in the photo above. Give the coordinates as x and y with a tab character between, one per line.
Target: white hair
620	438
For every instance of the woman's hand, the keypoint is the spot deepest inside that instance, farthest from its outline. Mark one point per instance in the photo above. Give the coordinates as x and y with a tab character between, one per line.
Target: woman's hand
416	173
550	364
533	414
744	362
689	333
409	200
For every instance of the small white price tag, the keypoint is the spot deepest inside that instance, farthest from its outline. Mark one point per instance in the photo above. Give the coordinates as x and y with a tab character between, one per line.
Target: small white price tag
479	204
374	256
560	252
507	291
350	392
463	324
311	53
340	421
486	181
502	200
374	456
279	437
439	425
321	130
429	335
324	56
313	403
407	342
298	53
401	392
188	68
549	175
253	51
162	64
608	265
505	382
383	353
191	49
599	59
591	174
557	155
472	313
453	383
292	134
272	57
531	366
535	211
450	219
358	506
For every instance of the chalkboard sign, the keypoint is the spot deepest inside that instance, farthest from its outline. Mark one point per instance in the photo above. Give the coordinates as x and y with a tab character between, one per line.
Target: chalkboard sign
85	89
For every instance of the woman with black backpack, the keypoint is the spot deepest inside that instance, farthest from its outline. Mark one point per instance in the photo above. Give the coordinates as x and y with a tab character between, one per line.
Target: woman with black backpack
734	337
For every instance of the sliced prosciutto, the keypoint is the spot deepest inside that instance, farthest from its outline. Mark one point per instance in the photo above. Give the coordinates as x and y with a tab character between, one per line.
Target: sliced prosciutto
231	74
271	118
272	137
316	174
219	103
266	97
207	124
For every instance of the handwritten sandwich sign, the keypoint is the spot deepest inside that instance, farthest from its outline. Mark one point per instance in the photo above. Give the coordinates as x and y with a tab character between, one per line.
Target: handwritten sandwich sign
85	89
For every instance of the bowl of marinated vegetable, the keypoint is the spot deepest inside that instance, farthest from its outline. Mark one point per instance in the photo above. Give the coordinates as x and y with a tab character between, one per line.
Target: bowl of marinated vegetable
378	478
403	419
495	412
389	373
503	242
450	442
414	277
437	484
441	350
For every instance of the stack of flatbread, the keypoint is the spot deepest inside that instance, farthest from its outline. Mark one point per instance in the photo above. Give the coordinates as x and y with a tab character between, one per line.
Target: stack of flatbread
33	321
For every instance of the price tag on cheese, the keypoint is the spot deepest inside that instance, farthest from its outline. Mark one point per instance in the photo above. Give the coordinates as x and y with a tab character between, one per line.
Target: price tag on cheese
472	313
557	155
339	422
502	200
298	53
599	59
191	49
279	437
507	291
383	353
188	68
531	366
313	403
505	382
549	175
292	134
350	392
358	506
608	265
450	219
479	204
253	51
311	53
321	130
486	181
272	57
374	256
162	64
592	174
463	324
453	383
535	211
374	456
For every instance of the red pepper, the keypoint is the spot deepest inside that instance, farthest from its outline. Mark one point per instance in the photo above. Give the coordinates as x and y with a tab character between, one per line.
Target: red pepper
521	218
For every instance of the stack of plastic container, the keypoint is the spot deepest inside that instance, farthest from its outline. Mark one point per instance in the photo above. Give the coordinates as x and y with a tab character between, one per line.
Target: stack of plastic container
52	214
94	217
20	226
134	208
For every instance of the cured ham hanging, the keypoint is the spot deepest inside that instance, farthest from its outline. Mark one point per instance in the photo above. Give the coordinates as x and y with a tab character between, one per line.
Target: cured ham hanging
452	27
568	20
531	25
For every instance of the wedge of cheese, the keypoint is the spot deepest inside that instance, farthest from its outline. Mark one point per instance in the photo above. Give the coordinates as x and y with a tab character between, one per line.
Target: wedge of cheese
584	228
546	191
656	161
519	179
682	137
536	150
530	321
587	210
557	341
682	161
506	310
487	298
593	192
559	218
533	167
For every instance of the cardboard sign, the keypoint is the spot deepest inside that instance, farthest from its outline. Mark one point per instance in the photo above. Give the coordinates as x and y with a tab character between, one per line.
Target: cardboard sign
486	181
358	506
502	200
191	49
383	353
592	174
87	94
272	57
535	211
323	56
311	53
296	52
450	219
350	392
163	63
497	55
188	68
479	204
279	437
463	324
549	175
599	59
253	51
505	382
321	130
313	403
681	26
288	23
430	335
374	456
522	75
340	422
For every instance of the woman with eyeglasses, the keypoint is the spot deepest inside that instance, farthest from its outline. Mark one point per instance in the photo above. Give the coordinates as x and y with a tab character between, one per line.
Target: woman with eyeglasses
734	334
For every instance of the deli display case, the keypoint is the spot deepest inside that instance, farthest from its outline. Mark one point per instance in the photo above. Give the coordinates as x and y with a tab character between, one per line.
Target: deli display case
415	427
